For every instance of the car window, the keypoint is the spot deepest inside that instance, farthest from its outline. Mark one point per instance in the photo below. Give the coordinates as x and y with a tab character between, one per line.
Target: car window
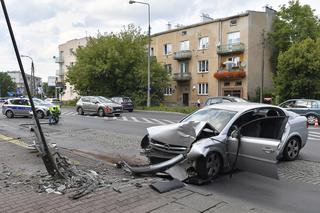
301	104
126	100
85	99
288	104
226	101
104	99
93	100
218	118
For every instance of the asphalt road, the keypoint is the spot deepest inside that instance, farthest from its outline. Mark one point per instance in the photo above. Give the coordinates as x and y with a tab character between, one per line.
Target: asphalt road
298	189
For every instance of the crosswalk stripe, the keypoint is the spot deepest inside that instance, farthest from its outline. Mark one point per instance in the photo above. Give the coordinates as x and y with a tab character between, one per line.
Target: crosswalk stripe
124	118
157	121
146	120
170	122
311	138
315	133
134	119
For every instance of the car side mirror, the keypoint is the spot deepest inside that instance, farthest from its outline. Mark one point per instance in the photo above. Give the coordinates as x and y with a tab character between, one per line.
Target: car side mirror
207	130
96	102
235	133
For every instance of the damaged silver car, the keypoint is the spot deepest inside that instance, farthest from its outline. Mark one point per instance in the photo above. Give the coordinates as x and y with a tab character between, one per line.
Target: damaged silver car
222	137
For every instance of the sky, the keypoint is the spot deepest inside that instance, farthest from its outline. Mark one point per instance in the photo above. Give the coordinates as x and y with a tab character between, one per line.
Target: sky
40	26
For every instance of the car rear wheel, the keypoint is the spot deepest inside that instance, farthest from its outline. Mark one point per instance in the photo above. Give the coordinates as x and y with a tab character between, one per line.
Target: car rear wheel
100	112
40	114
292	149
9	114
311	119
209	166
80	111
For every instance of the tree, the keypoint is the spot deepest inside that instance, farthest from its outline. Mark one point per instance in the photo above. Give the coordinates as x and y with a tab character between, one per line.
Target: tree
48	91
116	64
6	84
293	23
299	71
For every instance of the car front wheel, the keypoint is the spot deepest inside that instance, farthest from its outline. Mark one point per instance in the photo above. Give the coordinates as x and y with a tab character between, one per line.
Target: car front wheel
311	119
209	166
80	111
100	112
40	114
292	149
9	114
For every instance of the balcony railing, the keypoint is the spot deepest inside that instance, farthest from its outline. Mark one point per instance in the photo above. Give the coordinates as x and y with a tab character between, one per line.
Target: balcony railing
59	59
223	73
185	76
182	55
230	48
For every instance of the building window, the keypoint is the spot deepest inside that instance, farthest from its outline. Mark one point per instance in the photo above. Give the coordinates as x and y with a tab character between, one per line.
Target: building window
184	45
234	38
184	33
183	67
238	83
203	89
226	83
203	43
168	67
236	61
151	51
203	66
167	49
168	91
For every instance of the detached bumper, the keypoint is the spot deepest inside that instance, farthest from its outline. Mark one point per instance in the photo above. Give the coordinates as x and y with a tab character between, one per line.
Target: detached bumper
154	168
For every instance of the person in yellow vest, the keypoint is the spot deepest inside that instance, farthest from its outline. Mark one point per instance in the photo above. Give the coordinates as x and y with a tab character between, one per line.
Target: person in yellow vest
54	112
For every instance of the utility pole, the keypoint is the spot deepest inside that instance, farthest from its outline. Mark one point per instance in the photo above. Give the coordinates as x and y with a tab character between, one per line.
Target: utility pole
262	65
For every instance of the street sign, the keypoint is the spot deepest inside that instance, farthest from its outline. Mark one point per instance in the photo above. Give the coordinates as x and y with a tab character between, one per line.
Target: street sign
51	81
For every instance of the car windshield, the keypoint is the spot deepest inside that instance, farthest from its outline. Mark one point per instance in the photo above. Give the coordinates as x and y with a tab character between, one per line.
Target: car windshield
104	100
126	100
218	118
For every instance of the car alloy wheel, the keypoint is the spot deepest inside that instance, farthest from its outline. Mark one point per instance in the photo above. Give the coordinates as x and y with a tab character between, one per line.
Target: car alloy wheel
209	166
101	112
9	114
311	119
80	111
40	114
292	149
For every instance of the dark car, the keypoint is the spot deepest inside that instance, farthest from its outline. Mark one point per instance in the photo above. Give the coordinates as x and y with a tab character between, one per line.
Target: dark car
223	99
126	103
307	107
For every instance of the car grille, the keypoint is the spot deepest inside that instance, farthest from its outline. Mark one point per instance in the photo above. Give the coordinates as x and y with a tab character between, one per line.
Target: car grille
175	149
117	108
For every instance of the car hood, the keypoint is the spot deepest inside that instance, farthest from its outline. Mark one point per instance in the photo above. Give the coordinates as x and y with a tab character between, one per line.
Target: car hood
182	134
111	104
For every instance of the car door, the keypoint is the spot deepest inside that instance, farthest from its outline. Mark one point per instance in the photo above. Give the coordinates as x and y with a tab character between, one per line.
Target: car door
94	104
259	140
301	107
85	104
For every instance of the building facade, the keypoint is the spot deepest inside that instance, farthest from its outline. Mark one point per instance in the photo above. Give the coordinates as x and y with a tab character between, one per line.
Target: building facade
65	59
228	56
16	77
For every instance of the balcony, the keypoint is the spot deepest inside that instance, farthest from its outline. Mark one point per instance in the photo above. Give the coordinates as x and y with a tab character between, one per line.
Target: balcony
230	48
234	73
182	55
59	73
185	76
59	59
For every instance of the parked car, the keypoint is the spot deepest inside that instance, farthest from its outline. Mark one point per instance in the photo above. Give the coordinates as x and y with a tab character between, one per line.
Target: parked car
54	101
98	105
306	107
223	99
20	107
220	137
126	103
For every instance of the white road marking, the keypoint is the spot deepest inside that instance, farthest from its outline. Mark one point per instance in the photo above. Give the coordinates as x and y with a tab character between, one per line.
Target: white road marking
157	121
135	119
170	122
124	118
314	133
146	120
311	138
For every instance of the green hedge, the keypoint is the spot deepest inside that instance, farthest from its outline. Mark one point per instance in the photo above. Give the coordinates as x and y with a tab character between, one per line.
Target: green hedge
185	110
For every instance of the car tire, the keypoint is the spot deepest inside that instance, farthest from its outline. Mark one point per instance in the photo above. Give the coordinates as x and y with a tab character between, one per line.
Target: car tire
40	114
311	119
80	111
130	110
9	114
292	149
209	166
101	112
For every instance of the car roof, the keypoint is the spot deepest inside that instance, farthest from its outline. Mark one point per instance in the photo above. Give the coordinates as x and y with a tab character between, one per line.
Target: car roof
240	106
301	99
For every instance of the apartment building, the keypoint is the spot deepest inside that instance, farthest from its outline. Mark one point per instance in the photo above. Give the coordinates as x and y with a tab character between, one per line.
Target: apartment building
17	78
65	59
227	56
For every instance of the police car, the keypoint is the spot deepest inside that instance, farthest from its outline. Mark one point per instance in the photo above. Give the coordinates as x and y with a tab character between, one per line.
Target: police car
20	107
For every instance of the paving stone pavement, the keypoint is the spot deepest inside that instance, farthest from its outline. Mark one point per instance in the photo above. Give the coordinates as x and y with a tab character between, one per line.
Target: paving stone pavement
20	194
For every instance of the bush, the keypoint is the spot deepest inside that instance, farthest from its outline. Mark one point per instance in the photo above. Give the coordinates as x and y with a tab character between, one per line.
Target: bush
184	110
71	102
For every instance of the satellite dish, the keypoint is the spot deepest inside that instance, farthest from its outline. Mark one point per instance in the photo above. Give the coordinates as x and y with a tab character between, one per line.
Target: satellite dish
243	63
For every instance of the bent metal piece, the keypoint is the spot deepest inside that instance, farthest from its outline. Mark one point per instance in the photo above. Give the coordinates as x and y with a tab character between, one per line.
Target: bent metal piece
154	168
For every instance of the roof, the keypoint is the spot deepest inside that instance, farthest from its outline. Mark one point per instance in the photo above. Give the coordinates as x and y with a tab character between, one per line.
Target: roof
239	106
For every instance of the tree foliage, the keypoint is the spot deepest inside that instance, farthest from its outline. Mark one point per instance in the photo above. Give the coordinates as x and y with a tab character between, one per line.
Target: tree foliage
116	64
298	73
6	84
48	91
292	23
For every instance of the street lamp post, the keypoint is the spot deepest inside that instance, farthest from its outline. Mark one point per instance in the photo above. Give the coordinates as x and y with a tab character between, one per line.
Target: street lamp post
149	44
32	80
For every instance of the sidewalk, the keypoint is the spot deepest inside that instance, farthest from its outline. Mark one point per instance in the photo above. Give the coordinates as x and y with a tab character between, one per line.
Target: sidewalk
21	171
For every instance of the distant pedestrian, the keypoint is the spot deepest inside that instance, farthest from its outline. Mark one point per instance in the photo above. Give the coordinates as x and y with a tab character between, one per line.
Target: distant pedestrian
198	103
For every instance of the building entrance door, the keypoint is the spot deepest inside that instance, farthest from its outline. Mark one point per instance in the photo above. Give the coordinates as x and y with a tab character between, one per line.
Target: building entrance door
236	93
185	99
